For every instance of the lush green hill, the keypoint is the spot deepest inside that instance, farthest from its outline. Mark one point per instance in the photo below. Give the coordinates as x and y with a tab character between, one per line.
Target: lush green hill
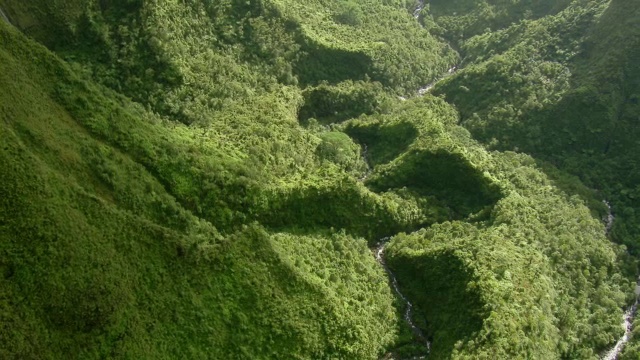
103	257
202	179
525	267
563	88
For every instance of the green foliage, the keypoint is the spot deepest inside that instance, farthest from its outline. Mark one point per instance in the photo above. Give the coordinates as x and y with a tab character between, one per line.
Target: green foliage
338	148
98	237
159	197
386	44
459	20
535	275
340	203
448	177
441	280
521	310
632	349
562	88
428	160
341	268
349	13
383	143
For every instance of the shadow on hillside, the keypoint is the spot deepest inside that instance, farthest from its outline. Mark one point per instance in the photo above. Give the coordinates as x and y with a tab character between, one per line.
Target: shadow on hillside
384	143
447	177
446	308
321	64
338	206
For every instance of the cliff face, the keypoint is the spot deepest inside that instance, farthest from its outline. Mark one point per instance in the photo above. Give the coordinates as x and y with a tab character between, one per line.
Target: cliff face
203	179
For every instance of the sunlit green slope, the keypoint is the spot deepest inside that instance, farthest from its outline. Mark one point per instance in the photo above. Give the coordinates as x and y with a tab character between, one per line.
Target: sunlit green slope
99	259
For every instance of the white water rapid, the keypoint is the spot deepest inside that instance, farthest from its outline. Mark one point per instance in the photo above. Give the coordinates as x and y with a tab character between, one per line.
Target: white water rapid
627	323
4	17
609	218
430	86
418	9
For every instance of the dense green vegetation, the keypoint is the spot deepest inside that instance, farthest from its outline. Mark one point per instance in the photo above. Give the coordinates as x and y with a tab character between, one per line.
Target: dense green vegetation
563	88
203	179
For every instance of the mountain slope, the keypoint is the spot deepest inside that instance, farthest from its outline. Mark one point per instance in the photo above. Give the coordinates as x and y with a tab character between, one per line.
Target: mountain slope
100	260
562	88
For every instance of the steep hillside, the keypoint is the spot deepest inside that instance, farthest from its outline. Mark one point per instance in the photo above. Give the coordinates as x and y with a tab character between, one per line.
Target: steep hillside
102	258
204	179
524	267
563	88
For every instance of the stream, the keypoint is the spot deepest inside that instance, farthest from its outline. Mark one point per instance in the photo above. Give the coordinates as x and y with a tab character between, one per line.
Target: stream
365	158
609	218
627	323
421	4
4	17
428	87
378	251
418	9
630	314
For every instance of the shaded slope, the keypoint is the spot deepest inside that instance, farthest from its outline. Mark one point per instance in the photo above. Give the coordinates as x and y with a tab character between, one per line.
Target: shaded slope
562	88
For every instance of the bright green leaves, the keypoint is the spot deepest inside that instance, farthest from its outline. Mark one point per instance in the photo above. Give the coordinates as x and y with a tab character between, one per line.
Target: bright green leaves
338	148
349	13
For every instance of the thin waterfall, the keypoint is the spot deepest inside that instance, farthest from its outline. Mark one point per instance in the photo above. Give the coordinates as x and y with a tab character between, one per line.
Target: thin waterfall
4	17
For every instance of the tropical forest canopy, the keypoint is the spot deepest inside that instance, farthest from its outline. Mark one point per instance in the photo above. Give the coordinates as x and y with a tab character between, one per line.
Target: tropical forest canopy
202	179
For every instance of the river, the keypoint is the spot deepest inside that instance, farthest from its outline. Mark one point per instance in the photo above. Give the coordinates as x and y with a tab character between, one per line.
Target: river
408	314
630	314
